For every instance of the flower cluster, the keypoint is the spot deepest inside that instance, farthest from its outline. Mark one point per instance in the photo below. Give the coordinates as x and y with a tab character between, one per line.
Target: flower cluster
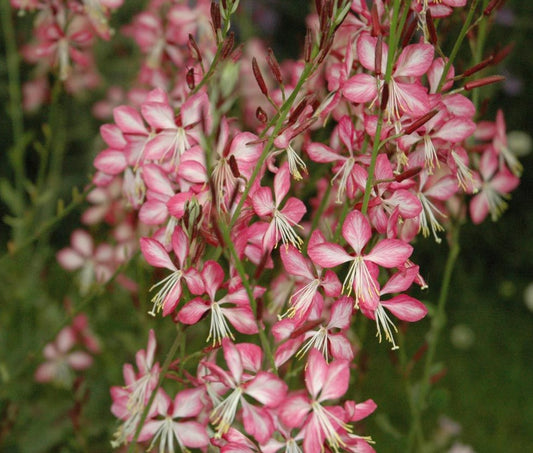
63	35
278	204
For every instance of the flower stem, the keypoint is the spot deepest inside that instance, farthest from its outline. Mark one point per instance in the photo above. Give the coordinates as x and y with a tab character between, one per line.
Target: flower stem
396	25
18	150
458	42
418	402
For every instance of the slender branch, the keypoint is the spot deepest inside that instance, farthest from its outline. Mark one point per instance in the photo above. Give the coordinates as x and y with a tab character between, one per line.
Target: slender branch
47	226
458	42
18	150
438	323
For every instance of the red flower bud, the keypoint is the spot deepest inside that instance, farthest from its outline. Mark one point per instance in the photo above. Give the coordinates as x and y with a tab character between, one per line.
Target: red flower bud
259	77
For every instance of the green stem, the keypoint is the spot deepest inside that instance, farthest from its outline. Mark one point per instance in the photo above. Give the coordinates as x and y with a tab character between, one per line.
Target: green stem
478	51
15	97
48	225
458	42
18	151
437	325
283	112
250	293
395	28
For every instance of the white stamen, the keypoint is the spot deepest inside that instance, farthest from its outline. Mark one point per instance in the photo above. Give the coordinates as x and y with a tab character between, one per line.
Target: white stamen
285	231
168	284
383	321
223	415
219	328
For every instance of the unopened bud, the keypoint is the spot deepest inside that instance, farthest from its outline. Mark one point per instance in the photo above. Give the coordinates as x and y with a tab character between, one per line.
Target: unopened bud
501	54
297	111
491	6
324	18
376	25
408	29
431	28
215	16
420	122
261	115
384	97
420	352
259	77
318	6
195	51
482	82
479	66
408	174
227	46
378	55
190	79
234	167
274	65
308	46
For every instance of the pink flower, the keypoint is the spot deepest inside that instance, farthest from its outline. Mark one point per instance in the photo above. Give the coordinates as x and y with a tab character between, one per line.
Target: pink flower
282	220
266	389
130	400
237	158
406	94
362	274
168	422
95	264
328	337
302	299
321	423
168	296
348	172
62	359
233	307
496	184
402	306
174	134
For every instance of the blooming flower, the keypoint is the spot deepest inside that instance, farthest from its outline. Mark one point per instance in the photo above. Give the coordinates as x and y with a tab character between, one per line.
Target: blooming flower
168	296
362	274
282	220
265	388
169	422
129	401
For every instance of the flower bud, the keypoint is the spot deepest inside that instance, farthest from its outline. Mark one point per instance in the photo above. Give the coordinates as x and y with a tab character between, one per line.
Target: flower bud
482	82
259	77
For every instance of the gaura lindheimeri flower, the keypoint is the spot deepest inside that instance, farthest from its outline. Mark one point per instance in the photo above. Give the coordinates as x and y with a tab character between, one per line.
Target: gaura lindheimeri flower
61	357
309	281
348	172
328	336
245	378
406	93
233	307
237	158
321	423
497	182
96	264
402	306
362	274
169	294
129	401
282	220
174	134
172	422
